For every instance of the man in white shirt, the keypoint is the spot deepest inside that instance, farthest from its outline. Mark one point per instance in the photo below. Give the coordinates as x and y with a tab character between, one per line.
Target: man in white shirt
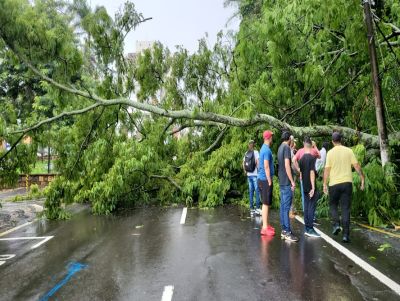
250	167
320	163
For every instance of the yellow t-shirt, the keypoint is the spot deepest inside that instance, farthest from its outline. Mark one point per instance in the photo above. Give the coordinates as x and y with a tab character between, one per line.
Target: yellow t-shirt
340	159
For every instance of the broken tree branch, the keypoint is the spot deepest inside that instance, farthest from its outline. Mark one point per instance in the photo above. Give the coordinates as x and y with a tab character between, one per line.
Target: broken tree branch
217	141
170	122
191	125
313	131
304	104
169	179
85	142
12	147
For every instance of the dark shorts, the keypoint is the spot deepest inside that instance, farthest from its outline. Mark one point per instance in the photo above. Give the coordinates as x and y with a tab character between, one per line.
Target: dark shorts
265	192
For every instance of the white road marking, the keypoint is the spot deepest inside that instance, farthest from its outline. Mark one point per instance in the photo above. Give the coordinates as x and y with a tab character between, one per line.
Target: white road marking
168	292
183	217
42	242
16	228
44	239
5	257
363	264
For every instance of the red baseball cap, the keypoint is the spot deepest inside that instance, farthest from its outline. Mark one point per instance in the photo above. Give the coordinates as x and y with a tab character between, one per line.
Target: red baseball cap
267	134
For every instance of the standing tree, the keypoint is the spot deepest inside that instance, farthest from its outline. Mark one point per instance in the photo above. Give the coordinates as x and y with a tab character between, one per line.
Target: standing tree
380	113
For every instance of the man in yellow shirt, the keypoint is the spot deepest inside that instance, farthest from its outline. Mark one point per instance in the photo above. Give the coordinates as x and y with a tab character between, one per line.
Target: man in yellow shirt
338	169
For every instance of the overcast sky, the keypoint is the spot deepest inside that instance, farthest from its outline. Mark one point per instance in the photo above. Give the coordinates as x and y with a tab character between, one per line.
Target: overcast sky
176	22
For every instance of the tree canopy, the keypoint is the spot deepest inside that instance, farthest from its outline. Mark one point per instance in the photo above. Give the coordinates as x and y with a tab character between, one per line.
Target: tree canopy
113	120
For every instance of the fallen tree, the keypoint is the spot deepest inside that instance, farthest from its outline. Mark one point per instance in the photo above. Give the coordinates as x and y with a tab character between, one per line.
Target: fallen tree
313	131
164	127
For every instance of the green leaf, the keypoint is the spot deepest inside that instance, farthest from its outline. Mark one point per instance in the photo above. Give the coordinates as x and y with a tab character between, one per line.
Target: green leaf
384	247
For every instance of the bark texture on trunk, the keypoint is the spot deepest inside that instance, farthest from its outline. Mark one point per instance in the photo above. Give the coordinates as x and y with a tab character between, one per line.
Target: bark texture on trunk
379	109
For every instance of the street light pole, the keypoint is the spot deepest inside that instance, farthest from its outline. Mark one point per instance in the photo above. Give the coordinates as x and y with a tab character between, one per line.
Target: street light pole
379	109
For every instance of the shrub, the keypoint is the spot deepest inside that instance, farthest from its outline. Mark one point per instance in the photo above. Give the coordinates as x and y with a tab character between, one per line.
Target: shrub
35	191
380	201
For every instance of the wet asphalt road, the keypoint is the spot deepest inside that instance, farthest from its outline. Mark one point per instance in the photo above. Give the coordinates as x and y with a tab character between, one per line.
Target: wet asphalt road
11	193
217	255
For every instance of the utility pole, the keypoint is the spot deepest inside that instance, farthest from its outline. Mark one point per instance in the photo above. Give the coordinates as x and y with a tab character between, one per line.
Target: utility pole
48	149
379	109
48	159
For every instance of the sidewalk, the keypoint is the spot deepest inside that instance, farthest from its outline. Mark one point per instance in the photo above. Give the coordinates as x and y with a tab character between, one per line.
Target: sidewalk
13	214
10	193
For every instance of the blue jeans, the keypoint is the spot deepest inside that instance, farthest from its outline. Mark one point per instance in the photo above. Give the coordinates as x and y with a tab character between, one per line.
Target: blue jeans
252	180
286	202
302	201
309	210
302	194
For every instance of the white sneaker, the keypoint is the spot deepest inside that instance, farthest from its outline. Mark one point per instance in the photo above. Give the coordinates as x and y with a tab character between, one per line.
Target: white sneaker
259	212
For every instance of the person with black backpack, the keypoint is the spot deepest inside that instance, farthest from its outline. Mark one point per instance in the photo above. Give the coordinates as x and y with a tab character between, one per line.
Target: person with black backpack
250	167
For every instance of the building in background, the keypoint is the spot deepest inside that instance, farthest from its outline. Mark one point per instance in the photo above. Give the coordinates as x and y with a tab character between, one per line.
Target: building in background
5	146
143	45
140	46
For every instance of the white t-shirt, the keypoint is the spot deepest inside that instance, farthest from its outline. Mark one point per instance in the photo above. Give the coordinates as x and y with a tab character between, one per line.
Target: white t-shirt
320	163
255	172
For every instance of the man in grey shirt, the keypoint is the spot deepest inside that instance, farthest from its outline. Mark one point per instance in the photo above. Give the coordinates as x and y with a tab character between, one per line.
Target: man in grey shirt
286	186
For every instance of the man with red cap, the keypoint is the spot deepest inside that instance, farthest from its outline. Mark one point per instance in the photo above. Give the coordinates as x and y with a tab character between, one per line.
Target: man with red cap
264	179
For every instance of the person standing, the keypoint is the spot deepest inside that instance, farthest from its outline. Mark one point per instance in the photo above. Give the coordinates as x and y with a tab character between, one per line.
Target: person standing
320	163
308	175
286	186
293	151
319	168
314	152
338	169
250	167
264	179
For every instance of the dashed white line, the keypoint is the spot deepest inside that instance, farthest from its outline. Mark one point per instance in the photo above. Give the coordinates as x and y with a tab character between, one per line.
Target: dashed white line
363	264
183	217
44	239
168	292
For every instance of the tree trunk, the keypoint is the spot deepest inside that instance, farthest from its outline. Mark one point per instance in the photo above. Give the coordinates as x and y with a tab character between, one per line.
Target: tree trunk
380	113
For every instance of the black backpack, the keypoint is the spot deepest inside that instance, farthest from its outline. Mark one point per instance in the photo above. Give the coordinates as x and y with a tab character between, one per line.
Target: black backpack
249	161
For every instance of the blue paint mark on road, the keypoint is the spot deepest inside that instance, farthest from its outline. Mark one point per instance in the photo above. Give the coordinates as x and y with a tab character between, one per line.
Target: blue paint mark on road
73	268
